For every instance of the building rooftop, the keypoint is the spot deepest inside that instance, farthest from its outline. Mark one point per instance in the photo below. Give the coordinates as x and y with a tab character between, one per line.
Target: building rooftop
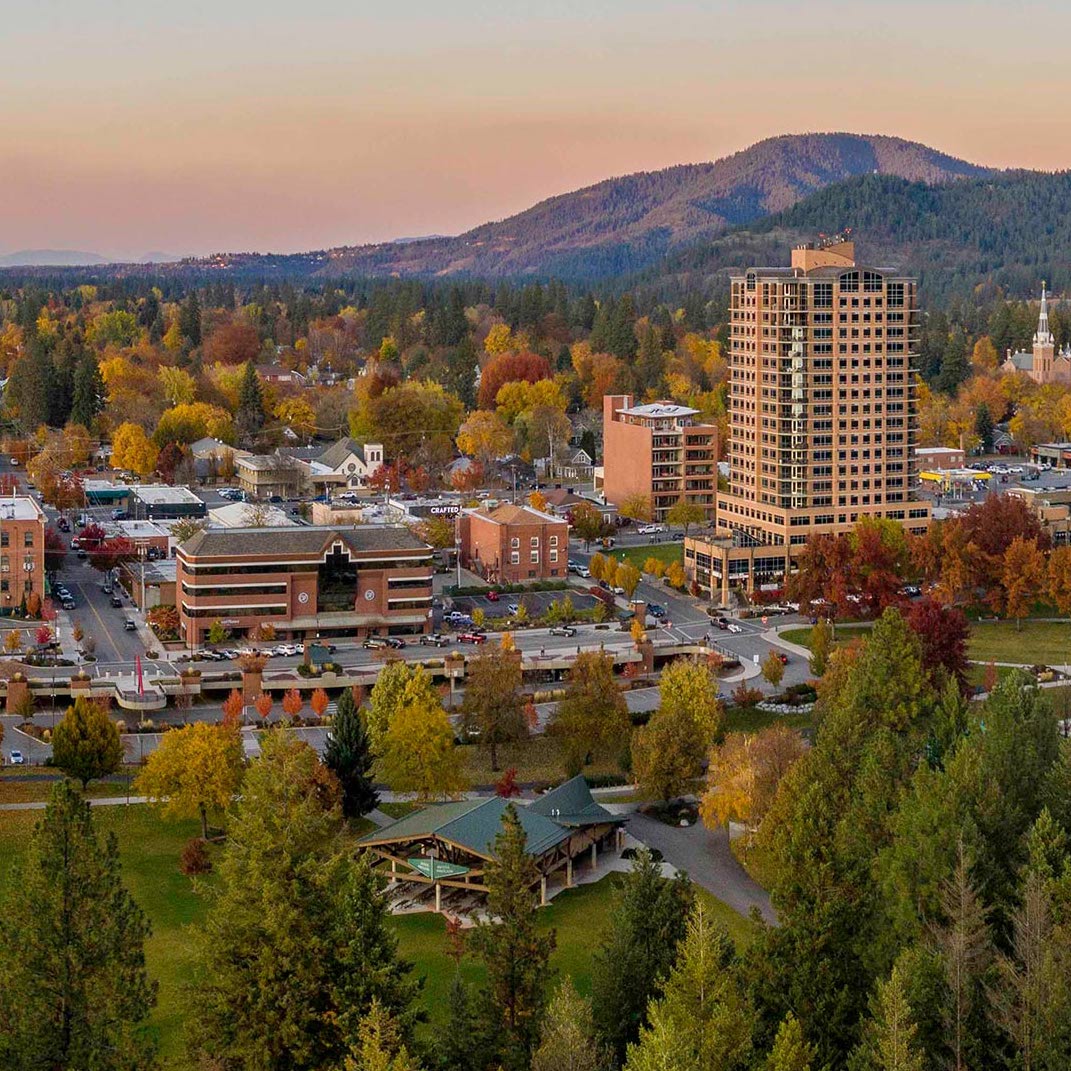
268	462
142	529
511	514
161	494
20	508
572	804
237	515
305	541
337	453
659	411
208	446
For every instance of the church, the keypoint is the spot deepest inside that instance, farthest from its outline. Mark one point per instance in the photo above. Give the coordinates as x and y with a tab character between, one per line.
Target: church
1042	364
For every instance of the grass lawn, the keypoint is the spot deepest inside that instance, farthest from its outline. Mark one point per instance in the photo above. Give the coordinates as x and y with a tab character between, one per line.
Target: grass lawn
1037	642
539	758
845	634
664	552
36	785
751	720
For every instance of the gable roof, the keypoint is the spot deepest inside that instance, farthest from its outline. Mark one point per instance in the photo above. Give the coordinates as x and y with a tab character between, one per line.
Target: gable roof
302	541
511	514
472	824
572	804
337	453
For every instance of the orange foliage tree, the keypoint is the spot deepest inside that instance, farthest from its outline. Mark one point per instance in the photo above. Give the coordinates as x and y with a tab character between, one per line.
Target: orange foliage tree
292	703
263	704
232	708
319	702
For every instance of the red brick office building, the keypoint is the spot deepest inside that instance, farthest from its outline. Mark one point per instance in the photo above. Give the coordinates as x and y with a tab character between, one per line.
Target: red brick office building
514	544
305	582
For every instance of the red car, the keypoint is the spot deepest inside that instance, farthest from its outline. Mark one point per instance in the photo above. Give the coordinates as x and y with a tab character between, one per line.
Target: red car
471	637
492	596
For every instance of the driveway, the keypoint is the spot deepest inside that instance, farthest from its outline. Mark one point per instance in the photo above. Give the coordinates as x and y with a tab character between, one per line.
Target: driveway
704	854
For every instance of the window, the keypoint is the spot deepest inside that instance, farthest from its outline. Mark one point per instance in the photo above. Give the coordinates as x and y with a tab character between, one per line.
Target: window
515	557
553	541
534	541
553	556
5	538
535	557
514	542
27	538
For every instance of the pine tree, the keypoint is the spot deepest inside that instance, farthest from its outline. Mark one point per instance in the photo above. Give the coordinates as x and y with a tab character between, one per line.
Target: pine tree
89	391
515	955
86	742
190	321
648	920
892	1045
349	757
74	992
984	427
249	416
790	1051
567	1040
463	1043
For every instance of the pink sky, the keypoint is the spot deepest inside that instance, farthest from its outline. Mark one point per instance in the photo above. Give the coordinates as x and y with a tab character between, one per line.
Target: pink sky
269	127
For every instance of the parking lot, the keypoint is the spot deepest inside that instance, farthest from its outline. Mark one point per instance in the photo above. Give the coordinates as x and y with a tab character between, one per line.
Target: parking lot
536	602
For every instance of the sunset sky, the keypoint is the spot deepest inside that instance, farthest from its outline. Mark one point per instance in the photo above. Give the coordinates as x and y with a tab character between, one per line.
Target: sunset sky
233	125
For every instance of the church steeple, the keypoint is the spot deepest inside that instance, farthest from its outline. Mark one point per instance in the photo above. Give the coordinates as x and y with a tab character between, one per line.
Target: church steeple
1044	335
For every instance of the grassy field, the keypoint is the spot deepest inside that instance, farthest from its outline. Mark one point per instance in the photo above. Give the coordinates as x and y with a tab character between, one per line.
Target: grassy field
149	847
1037	642
538	758
845	634
36	783
751	720
664	552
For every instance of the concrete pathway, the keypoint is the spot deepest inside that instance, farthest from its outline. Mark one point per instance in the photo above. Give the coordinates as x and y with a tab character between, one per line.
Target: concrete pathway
705	856
104	801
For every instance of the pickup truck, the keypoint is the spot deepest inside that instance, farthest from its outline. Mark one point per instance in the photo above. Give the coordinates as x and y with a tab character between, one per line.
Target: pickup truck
435	639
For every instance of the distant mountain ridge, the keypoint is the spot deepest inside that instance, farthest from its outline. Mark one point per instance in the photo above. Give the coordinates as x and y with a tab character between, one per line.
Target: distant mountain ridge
59	258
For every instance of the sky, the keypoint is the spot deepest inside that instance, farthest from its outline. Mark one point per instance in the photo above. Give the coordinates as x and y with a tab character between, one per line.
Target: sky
129	127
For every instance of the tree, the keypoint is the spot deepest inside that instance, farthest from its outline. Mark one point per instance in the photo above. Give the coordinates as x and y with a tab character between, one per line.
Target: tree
348	756
196	769
110	553
598	565
892	1031
1022	577
684	513
86	743
984	428
515	955
292	703
790	1051
627	577
132	449
702	1018
263	704
493	705
648	918
773	668
380	1044
943	632
249	416
12	640
566	1041
586	521
89	392
232	707
74	992
636	507
592	715
319	702
386	698
297	944
485	436
418	754
821	645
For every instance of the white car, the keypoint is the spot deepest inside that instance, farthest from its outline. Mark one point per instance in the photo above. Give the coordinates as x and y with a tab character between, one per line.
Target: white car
734	628
584	572
285	649
650	529
16	758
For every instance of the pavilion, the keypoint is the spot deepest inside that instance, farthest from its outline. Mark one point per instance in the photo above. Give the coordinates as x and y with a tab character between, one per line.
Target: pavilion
450	844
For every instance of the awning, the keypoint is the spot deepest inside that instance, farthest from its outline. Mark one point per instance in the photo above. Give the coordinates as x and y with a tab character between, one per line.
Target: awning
442	869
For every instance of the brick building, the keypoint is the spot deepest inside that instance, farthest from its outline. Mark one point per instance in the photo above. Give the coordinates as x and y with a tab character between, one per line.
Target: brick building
659	452
22	551
306	582
514	544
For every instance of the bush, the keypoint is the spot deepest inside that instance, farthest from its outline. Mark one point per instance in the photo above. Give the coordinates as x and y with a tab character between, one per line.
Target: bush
194	858
743	696
606	780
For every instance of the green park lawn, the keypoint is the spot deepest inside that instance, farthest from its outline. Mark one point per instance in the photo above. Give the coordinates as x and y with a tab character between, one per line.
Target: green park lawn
664	552
1037	642
149	847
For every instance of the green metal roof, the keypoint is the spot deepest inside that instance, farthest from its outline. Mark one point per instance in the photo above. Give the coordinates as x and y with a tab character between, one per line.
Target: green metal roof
473	824
572	804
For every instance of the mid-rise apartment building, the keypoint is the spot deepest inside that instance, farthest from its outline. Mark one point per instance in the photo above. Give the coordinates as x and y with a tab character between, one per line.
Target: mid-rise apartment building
514	544
304	581
22	552
822	412
657	451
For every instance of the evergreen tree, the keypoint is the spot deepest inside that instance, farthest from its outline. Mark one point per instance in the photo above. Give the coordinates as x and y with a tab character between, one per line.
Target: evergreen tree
955	363
30	387
86	742
514	953
190	320
567	1040
349	757
984	427
297	944
648	920
463	1043
88	392
249	416
74	992
790	1051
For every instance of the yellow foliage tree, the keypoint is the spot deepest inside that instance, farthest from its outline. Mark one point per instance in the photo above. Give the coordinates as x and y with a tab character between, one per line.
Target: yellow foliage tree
132	449
538	500
297	413
654	567
195	770
484	436
179	386
499	340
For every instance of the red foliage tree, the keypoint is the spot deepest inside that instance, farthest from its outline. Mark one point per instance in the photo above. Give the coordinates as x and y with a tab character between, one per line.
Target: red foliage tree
168	460
292	703
233	343
510	368
43	635
55	550
468	479
507	786
232	709
386	477
263	703
943	632
111	553
318	701
91	535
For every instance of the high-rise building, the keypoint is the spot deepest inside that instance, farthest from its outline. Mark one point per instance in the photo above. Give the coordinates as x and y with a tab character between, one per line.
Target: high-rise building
822	412
657	451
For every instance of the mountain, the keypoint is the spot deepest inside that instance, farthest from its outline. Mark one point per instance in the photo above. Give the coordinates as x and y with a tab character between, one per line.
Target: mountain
624	223
50	258
1008	230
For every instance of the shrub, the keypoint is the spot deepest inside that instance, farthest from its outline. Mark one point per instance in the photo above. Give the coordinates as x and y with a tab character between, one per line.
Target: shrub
194	858
743	696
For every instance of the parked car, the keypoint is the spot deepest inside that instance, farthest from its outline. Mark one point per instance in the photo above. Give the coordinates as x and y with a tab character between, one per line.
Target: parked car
472	637
733	627
563	630
16	758
116	601
394	642
619	590
583	572
655	610
82	554
435	639
374	643
63	524
286	649
912	591
513	608
68	604
650	529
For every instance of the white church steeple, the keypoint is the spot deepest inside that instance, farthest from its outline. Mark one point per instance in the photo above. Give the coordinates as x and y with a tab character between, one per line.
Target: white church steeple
1044	335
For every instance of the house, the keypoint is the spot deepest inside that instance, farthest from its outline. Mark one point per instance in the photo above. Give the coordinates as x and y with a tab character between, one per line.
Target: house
277	373
577	464
561	502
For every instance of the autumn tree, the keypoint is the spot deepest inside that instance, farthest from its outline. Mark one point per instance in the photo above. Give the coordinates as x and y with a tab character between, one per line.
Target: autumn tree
386	698
1022	577
195	770
485	436
292	703
74	991
943	632
86	743
627	576
773	668
636	507
586	521
263	704
132	449
821	646
684	513
417	753
232	708
319	702
493	706
514	953
592	716
1058	579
